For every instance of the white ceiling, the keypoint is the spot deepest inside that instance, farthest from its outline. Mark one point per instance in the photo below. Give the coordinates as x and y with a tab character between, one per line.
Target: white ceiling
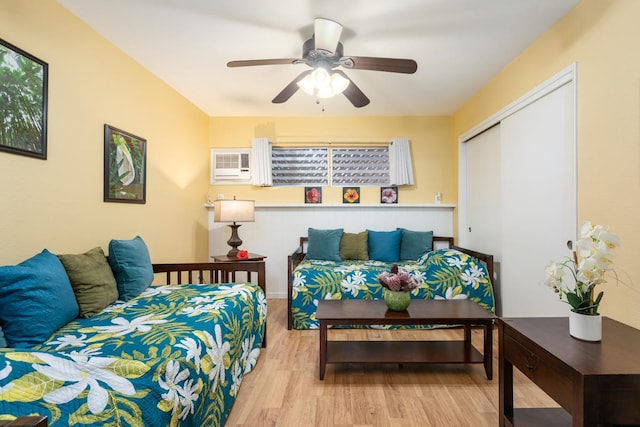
459	46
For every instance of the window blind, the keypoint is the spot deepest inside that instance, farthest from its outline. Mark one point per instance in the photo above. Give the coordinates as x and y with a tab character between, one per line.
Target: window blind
360	166
300	166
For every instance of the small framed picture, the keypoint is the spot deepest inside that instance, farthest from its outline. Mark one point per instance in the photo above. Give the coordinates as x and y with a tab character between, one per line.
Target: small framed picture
125	167
313	194
388	195
351	195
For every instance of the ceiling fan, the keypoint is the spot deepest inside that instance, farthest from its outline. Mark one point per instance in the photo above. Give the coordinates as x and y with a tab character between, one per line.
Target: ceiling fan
323	52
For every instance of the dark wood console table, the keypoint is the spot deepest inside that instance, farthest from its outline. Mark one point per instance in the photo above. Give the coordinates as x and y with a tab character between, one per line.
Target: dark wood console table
597	383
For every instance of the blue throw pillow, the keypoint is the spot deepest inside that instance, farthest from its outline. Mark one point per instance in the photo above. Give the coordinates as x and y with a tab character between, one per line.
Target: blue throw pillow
36	299
415	244
324	244
385	245
3	342
131	265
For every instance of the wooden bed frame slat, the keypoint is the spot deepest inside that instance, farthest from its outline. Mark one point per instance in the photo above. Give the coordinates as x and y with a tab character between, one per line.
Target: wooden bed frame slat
203	272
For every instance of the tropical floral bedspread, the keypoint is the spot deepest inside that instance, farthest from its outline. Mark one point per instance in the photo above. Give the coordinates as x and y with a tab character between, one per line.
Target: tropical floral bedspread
175	355
442	274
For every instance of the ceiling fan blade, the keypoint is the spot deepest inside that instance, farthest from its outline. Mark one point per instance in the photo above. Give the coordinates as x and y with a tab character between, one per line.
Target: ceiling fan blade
353	92
290	89
326	34
393	65
252	62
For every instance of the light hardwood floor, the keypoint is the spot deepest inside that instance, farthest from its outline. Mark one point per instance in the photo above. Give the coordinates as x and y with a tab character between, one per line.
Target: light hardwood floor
284	389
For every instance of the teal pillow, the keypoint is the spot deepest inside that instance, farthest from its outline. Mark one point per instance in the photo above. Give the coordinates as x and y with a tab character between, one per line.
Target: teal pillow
385	245
3	342
415	244
324	244
131	265
36	299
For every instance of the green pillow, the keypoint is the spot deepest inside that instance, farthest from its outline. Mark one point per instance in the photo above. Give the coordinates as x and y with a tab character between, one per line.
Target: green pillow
354	246
324	244
384	245
36	300
415	244
131	265
92	280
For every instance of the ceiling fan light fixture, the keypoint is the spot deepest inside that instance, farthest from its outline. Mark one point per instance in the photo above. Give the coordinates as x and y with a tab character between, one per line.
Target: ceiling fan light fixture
322	84
338	83
327	34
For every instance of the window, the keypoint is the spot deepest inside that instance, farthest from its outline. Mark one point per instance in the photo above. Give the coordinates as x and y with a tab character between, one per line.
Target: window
360	166
300	166
339	166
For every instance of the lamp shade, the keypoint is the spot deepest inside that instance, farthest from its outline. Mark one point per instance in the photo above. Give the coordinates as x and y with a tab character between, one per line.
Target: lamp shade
234	210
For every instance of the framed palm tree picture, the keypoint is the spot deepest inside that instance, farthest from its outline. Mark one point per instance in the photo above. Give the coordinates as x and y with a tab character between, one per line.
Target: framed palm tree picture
23	102
125	166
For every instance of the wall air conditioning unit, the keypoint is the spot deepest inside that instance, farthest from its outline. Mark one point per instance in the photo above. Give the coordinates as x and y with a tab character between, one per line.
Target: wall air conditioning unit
230	166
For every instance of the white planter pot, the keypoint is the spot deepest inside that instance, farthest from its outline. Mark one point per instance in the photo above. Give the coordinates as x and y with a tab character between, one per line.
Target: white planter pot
585	327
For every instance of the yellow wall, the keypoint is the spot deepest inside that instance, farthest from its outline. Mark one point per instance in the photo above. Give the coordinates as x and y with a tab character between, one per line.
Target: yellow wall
57	203
601	36
429	139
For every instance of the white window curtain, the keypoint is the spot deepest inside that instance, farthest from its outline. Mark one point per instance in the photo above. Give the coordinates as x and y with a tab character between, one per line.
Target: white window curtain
401	168
261	154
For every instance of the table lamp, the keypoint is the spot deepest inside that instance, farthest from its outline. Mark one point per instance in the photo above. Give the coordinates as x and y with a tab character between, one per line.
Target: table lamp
234	211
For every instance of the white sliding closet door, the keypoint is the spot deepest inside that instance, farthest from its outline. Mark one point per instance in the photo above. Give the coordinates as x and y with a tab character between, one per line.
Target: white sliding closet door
483	229
538	200
520	201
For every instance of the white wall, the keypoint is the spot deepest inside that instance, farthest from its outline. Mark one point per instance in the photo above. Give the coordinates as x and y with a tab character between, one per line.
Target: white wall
277	230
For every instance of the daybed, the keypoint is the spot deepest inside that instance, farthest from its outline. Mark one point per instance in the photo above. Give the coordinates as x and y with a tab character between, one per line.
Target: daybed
349	270
172	355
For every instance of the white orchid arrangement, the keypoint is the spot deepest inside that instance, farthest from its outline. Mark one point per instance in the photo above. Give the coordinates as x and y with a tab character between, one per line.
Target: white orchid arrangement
588	266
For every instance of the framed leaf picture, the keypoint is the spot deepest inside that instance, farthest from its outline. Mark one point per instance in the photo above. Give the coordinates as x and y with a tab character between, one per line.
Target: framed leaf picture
125	166
23	117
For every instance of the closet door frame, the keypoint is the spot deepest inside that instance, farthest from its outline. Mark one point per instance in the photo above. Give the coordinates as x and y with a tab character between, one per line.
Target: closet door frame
565	76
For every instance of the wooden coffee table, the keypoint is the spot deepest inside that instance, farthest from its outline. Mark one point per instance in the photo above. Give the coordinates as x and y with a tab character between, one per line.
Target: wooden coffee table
420	312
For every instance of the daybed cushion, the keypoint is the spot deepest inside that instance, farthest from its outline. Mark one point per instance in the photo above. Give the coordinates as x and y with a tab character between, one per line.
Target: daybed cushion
354	246
91	279
173	356
36	299
384	245
324	245
131	265
415	244
442	274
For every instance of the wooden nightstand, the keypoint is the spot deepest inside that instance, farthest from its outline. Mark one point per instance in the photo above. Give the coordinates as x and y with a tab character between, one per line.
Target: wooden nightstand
253	264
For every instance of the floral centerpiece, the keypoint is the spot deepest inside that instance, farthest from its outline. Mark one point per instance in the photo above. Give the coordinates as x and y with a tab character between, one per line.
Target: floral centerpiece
396	287
397	280
588	265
